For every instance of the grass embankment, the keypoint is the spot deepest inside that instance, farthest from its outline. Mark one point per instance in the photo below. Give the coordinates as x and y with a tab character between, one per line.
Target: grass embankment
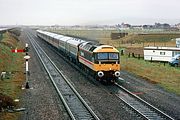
166	76
13	63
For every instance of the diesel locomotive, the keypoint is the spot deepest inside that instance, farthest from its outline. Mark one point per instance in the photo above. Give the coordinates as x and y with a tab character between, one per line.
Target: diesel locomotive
100	61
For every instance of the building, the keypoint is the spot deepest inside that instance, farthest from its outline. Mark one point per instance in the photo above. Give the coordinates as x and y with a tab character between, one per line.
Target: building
118	35
160	53
162	26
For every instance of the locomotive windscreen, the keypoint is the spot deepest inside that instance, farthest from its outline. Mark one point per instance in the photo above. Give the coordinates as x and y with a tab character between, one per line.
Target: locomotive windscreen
107	56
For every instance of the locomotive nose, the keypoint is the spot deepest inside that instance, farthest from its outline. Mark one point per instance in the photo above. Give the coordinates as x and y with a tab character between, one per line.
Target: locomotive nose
100	74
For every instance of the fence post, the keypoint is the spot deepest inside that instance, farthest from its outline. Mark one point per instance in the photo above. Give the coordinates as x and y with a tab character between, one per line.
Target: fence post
138	56
129	55
122	52
133	55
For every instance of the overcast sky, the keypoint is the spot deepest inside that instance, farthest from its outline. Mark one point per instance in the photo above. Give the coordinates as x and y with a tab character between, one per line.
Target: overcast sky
86	12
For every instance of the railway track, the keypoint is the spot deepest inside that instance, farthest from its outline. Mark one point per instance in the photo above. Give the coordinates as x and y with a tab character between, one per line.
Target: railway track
146	110
138	105
76	107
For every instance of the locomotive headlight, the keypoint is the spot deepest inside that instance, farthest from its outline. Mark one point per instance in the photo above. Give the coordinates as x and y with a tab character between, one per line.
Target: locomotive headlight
117	73
100	74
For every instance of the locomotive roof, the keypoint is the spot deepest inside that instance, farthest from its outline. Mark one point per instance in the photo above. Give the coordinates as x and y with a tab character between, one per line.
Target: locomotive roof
89	46
105	48
92	47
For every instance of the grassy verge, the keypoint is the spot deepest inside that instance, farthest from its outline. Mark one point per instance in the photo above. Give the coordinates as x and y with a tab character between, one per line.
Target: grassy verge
13	63
166	76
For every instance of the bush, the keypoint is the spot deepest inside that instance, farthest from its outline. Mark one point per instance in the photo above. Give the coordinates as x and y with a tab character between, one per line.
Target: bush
6	102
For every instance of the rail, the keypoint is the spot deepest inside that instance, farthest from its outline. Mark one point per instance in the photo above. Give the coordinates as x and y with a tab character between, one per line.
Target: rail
77	108
146	110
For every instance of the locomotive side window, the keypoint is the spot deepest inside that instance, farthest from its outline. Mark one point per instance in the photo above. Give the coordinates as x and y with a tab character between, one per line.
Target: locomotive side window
82	54
86	55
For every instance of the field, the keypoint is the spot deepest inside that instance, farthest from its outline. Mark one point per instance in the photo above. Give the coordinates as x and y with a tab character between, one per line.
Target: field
166	76
134	38
12	63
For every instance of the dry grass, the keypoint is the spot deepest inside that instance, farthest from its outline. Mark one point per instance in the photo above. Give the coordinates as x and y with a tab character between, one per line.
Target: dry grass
103	36
90	34
9	116
166	76
9	41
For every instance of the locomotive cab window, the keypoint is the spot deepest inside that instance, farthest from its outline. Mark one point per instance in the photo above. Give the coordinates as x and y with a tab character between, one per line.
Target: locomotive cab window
107	56
102	56
113	56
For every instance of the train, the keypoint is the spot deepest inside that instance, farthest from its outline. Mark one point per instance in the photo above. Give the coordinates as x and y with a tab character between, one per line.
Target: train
100	61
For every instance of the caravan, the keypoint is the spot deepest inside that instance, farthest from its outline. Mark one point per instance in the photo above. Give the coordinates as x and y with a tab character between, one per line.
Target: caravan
164	54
